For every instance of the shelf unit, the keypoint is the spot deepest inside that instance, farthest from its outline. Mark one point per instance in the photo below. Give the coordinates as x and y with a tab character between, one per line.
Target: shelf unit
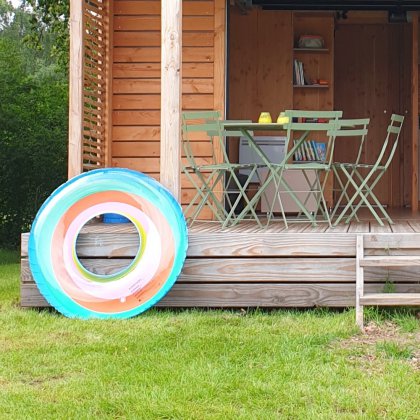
318	64
311	50
314	86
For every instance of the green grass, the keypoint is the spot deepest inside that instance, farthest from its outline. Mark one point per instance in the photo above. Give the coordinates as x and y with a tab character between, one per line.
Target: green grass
198	365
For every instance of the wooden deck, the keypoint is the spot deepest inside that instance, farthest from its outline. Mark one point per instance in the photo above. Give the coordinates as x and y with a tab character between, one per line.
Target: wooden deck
245	266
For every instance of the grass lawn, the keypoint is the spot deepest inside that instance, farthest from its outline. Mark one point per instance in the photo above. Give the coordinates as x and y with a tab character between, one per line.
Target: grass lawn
205	364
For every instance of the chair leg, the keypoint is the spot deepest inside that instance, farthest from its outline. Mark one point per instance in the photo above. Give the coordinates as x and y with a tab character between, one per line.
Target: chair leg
291	193
343	188
241	195
277	196
369	192
207	196
322	197
358	193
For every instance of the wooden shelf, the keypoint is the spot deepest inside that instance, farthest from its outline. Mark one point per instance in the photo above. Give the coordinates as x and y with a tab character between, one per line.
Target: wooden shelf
311	50
312	86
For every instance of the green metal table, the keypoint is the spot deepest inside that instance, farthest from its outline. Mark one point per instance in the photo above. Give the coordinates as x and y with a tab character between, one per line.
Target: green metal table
274	174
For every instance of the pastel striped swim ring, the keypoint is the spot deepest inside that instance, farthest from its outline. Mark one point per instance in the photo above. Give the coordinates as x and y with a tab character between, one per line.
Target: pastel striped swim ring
76	292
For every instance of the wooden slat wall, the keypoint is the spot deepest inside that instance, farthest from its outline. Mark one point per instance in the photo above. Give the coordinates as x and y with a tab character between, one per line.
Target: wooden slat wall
96	24
136	79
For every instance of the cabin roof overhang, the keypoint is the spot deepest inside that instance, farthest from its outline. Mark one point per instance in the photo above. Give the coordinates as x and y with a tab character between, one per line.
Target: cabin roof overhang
388	5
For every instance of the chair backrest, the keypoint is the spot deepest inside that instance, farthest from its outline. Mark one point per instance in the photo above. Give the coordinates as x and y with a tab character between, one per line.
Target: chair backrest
392	135
324	115
199	122
221	133
308	121
356	128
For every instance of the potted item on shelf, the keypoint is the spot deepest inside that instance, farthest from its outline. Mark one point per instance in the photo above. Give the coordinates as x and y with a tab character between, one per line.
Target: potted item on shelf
311	41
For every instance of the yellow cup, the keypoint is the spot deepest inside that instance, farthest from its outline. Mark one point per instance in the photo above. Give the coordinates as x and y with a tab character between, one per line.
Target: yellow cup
265	118
282	119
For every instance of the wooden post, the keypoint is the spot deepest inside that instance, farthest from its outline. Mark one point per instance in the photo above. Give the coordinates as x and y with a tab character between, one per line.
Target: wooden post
359	281
109	80
415	114
76	89
171	96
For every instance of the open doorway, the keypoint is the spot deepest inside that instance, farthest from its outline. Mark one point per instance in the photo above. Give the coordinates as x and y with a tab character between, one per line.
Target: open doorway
368	64
373	78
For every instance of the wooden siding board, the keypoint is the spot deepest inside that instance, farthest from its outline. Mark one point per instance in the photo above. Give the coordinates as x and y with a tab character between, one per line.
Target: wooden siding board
152	39
152	149
152	55
233	295
199	8
148	70
152	23
146	86
258	244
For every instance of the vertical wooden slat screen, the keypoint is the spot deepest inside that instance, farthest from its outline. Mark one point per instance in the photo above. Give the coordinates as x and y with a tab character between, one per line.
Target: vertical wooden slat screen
95	15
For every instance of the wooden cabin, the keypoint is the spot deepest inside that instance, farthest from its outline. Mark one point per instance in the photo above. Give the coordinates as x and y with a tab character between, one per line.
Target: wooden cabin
136	64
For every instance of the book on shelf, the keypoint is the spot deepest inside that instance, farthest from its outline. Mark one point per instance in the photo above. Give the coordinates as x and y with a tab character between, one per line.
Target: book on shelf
310	151
316	156
321	149
299	78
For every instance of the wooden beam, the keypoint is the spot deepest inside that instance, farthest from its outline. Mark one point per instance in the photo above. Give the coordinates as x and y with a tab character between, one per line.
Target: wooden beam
219	71
171	77
415	114
76	88
109	81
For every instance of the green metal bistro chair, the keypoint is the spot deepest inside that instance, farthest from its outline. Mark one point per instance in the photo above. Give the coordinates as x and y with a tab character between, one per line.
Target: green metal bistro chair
220	173
195	125
316	187
344	130
364	184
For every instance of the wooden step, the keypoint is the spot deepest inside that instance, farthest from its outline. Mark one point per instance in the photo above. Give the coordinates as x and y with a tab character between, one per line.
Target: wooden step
390	261
391	299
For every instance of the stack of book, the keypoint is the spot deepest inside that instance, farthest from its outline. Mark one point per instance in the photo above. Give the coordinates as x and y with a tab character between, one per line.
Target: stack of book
310	151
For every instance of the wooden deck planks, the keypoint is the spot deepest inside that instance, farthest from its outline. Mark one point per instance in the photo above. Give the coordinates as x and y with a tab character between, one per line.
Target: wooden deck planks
247	266
391	299
257	270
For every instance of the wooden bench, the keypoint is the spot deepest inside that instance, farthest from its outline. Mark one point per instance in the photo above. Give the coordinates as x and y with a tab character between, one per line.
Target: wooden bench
388	251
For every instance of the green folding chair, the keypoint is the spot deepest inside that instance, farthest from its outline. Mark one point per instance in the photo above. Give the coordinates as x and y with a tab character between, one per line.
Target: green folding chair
305	122
364	184
220	173
344	131
202	176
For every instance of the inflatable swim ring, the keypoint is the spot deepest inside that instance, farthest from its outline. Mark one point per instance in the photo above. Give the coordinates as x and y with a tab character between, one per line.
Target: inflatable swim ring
67	284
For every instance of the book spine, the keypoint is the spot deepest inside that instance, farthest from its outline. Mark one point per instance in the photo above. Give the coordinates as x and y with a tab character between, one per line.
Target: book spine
302	150
298	156
308	151
302	80
315	152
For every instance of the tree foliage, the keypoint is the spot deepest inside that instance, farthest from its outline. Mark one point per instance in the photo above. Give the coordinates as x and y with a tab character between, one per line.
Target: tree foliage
50	17
33	127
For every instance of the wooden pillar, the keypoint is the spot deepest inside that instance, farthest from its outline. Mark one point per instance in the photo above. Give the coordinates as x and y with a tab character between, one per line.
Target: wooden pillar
171	96
415	114
76	89
109	58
